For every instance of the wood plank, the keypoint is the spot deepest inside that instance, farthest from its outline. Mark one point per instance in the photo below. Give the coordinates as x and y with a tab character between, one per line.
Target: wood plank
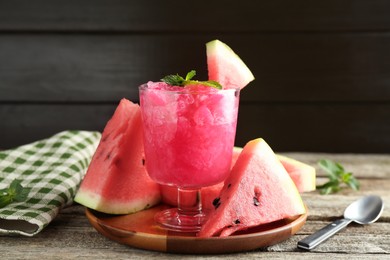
211	16
336	128
71	227
361	165
106	251
345	242
104	68
23	124
89	68
70	236
289	127
330	207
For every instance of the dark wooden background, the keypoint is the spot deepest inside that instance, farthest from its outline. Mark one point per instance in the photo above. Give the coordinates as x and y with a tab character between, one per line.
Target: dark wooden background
322	67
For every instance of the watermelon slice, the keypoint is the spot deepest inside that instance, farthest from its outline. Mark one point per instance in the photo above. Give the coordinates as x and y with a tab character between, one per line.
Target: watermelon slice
226	67
302	174
116	181
257	191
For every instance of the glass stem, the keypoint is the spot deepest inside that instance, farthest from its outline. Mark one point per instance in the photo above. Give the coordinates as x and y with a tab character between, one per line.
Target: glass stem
189	202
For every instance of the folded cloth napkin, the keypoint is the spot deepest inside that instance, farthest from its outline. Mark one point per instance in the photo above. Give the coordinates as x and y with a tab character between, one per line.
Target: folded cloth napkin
52	169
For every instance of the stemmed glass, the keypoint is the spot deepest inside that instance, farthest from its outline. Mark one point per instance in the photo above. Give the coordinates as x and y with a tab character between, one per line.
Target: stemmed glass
189	136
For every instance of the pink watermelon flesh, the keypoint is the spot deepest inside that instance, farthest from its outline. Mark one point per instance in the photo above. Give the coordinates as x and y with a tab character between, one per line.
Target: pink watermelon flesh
303	175
116	181
257	191
226	67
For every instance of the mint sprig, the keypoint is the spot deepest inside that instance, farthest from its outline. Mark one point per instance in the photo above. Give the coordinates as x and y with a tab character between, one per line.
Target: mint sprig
15	192
177	80
338	178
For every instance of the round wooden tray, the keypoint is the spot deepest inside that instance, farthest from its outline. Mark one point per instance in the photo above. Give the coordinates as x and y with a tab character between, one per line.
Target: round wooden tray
139	230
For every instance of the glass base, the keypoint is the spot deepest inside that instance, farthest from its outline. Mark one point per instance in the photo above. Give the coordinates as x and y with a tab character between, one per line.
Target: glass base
171	219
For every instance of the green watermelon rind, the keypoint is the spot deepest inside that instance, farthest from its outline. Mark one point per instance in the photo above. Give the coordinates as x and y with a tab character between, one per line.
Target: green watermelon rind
94	201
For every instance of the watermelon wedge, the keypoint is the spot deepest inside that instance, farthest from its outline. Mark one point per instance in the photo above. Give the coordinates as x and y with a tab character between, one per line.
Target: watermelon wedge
257	191
116	181
226	67
302	174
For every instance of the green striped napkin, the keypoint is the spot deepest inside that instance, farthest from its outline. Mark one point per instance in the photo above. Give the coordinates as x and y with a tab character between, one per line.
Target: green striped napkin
52	169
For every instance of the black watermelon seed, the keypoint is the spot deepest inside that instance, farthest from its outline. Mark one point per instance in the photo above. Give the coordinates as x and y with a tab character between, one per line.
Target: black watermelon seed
217	202
256	201
237	221
117	161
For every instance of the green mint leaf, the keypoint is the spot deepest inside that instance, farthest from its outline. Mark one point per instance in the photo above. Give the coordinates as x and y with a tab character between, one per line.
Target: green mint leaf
212	83
331	186
329	190
353	183
174	80
15	192
15	186
190	75
5	200
338	178
331	168
22	195
345	176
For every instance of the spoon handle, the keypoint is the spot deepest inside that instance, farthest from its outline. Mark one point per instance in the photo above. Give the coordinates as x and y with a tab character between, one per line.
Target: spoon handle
321	235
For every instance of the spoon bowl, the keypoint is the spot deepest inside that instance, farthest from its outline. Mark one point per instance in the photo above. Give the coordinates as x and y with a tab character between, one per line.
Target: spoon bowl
365	210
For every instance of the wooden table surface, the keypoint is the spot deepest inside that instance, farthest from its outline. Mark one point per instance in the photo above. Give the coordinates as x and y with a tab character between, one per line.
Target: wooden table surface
70	235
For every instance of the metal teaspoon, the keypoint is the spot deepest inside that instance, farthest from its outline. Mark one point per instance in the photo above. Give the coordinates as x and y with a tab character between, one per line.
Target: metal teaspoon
365	210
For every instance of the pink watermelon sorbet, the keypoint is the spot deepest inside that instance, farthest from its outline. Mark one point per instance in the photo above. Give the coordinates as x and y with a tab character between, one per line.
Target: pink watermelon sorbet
189	133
